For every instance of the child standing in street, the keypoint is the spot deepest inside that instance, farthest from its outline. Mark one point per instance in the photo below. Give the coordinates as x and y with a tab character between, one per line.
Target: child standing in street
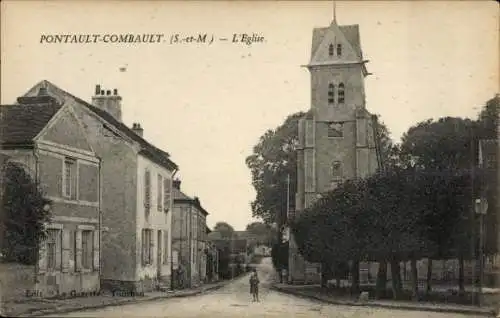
254	285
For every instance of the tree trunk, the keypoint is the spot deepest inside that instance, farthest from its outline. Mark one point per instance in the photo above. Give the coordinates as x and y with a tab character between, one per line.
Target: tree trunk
429	275
414	279
381	280
355	278
324	275
461	286
396	279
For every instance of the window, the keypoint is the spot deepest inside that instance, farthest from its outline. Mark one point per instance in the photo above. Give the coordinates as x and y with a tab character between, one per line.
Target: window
341	93
75	250
69	175
147	190
53	249
336	170
490	161
165	247
335	130
339	49
147	247
87	249
166	195
331	93
159	201
330	50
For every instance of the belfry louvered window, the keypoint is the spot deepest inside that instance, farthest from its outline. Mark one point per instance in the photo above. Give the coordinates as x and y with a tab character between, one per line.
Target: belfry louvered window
341	97
331	93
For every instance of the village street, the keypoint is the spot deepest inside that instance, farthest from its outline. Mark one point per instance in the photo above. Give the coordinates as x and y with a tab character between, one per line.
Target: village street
234	300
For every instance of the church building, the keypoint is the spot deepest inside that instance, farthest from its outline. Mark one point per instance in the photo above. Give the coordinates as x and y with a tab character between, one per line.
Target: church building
336	137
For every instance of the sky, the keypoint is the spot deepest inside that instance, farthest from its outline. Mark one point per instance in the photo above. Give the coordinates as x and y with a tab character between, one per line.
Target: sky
207	105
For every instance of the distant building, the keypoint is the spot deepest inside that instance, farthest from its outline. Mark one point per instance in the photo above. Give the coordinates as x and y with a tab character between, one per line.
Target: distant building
336	139
189	237
136	190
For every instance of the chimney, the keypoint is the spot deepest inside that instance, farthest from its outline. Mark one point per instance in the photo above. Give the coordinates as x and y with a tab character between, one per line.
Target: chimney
177	184
107	102
136	127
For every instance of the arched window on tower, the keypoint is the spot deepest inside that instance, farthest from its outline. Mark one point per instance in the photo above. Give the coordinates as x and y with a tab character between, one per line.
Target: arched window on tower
331	93
339	49
341	96
330	50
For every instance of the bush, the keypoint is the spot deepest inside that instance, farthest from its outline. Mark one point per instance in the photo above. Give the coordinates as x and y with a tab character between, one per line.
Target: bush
23	215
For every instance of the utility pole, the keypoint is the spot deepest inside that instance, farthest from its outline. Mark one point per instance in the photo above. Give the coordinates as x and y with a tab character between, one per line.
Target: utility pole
473	221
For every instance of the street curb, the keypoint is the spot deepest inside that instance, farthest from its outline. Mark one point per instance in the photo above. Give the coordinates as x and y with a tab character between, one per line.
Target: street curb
125	301
471	311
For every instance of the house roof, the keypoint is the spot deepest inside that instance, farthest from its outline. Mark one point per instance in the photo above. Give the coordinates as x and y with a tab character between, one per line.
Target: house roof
181	197
19	124
148	150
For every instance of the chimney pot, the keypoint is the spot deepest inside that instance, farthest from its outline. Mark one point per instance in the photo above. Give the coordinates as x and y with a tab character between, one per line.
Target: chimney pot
115	92
177	184
103	101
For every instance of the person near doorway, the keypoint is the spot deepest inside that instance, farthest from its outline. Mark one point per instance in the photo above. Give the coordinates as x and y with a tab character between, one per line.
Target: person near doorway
254	285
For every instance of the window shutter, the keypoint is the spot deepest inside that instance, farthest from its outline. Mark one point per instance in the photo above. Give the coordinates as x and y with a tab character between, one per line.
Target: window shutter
96	255
59	250
147	190
167	194
143	250
159	193
66	241
78	250
151	246
42	258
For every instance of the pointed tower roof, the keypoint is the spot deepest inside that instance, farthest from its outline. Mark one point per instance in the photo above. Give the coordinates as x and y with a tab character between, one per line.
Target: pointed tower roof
347	35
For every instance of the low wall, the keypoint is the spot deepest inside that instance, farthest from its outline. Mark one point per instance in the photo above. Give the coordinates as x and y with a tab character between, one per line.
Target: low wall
15	281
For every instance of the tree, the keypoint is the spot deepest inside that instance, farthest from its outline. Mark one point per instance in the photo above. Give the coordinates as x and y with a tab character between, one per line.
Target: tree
226	231
24	215
273	158
448	146
445	144
263	232
488	119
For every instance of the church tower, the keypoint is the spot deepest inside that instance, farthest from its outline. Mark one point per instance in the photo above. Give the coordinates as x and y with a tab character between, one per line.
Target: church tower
336	139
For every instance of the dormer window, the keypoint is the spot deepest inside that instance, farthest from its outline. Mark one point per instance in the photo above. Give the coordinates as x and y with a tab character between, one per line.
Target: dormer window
341	97
330	50
339	49
331	93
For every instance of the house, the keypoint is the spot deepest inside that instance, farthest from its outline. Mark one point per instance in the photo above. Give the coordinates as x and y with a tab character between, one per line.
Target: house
136	192
487	160
189	237
212	259
262	250
45	136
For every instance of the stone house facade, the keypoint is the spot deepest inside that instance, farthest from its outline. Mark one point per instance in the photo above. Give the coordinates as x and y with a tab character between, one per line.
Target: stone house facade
44	134
136	193
189	236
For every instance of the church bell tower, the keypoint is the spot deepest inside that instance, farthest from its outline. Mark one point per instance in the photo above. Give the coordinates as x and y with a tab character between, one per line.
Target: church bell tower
336	139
